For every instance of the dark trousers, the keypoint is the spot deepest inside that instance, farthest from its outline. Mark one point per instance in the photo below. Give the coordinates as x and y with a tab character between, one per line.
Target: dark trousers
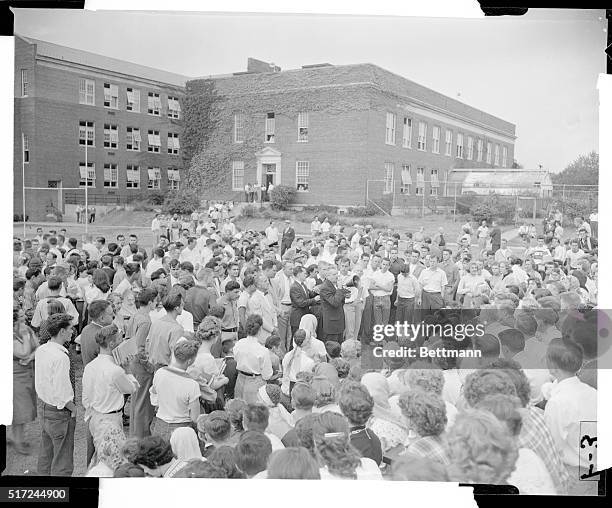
285	246
89	444
142	411
57	442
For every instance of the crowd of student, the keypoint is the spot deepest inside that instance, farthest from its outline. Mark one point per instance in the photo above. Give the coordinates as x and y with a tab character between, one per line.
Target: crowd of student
240	353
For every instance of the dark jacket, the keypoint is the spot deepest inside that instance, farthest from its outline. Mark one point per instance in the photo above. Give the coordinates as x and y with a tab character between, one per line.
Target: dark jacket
301	300
332	306
288	236
197	301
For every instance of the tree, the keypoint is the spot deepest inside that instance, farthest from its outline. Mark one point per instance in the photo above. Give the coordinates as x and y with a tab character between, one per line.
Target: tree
583	171
517	165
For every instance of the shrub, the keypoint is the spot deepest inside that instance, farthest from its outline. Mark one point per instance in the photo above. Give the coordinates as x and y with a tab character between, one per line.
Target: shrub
157	198
281	197
363	211
143	206
182	202
248	211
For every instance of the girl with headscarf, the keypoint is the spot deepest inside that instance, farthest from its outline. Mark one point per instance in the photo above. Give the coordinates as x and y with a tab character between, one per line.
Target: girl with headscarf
185	444
280	421
313	347
108	456
387	423
295	361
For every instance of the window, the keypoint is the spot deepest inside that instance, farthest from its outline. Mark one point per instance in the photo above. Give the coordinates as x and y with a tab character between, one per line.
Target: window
433	191
496	160
87	174
25	83
154	178
111	136
133	139
303	127
406	180
26	148
407	134
237	175
111	96
153	141
132	180
504	157
174	108
173	143
470	148
489	150
434	178
133	100
389	167
419	190
390	130
153	104
420	176
239	121
174	179
479	150
302	175
270	127
449	143
87	92
435	135
422	141
459	153
110	175
86	133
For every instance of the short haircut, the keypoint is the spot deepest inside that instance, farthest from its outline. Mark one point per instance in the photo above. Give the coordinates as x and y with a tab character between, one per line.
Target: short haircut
488	344
248	281
513	339
267	264
187	266
564	356
302	396
105	334
185	350
355	402
525	323
252	452
231	286
97	308
273	341
482	383
152	452
58	322
293	464
333	348
172	301
515	372
253	323
506	410
430	380
414	468
198	468
131	269
54	283
256	417
146	296
217	425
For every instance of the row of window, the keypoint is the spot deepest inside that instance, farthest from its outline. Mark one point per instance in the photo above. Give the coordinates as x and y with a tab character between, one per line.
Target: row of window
133	138
131	99
461	150
87	176
406	180
270	128
302	176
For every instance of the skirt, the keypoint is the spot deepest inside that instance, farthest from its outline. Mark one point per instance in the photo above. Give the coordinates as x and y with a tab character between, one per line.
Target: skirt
24	394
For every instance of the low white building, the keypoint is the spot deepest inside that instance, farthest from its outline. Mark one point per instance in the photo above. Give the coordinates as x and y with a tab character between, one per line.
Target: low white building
509	182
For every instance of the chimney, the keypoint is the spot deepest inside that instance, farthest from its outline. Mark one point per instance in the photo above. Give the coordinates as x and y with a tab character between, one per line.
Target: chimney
254	65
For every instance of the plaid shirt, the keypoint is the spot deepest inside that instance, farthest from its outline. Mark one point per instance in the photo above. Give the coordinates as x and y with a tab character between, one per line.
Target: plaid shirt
428	447
536	436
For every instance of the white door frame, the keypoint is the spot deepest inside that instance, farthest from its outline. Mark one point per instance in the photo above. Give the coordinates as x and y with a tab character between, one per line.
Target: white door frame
268	156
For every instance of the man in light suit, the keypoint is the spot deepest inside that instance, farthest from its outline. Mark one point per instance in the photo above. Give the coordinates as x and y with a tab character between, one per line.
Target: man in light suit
288	237
332	303
282	284
301	298
260	304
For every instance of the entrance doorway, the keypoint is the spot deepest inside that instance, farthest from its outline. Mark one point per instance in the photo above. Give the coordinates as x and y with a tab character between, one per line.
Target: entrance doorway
269	174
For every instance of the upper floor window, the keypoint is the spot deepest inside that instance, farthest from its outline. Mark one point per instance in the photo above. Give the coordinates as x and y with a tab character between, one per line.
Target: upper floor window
153	104
390	129
435	138
449	143
132	178
133	100
479	150
174	179
505	157
389	167
173	143
459	153
422	141
86	133
26	148
407	134
133	139
110	175
489	152
406	180
270	127
154	141
111	96
25	83
470	148
303	127
174	107
87	174
239	124
87	92
111	136
496	160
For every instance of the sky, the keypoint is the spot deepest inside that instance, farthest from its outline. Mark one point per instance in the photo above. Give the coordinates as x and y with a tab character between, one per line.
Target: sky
538	71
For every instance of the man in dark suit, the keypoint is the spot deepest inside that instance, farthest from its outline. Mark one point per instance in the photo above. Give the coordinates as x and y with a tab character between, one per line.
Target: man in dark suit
301	298
332	305
288	237
586	243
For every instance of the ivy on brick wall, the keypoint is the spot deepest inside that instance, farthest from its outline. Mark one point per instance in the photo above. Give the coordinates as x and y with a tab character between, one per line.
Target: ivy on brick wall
208	137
